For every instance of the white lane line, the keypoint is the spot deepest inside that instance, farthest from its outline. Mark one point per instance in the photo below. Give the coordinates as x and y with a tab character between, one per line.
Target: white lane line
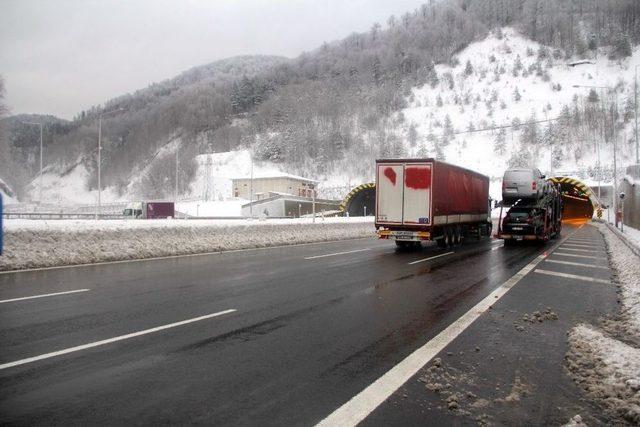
583	241
496	241
578	256
44	295
582	246
427	259
365	402
565	248
496	248
160	258
571	276
338	253
110	340
578	264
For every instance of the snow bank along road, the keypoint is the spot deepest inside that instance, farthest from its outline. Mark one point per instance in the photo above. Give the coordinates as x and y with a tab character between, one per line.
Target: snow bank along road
37	243
276	336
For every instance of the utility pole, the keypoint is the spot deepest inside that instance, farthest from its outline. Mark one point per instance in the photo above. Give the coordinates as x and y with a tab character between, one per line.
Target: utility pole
40	189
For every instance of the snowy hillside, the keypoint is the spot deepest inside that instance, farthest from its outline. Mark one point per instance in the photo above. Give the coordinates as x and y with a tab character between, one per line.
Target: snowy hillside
497	81
68	188
505	80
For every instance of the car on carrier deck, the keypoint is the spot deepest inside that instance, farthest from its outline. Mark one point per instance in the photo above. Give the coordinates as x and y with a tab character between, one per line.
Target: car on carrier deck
523	183
523	221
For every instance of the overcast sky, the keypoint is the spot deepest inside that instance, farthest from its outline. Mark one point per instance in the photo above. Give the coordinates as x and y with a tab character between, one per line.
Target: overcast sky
59	57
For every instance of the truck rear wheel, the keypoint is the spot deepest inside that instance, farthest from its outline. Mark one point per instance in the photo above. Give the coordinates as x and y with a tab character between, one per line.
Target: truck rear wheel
457	237
449	234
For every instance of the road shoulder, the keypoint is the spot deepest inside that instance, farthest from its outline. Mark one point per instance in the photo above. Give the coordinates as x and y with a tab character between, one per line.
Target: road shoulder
508	367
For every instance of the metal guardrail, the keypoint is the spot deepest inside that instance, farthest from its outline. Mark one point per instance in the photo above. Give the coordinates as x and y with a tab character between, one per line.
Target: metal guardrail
58	215
74	215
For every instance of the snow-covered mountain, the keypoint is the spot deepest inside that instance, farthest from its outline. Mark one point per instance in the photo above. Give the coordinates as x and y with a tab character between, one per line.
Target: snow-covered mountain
506	78
502	80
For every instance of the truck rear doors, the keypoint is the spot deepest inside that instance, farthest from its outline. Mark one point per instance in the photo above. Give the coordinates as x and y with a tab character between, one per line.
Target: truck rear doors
403	193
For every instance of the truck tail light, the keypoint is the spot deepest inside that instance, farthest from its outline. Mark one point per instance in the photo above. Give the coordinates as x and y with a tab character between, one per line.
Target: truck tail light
533	185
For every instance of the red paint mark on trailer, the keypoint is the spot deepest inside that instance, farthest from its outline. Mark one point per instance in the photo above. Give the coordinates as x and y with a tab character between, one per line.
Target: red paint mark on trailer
391	174
417	178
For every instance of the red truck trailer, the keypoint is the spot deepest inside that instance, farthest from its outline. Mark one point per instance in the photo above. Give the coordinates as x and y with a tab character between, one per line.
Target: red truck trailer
426	199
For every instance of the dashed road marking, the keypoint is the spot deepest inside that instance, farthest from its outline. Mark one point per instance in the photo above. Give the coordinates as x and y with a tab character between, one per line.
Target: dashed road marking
338	253
111	340
44	295
427	259
577	264
581	246
361	405
571	276
564	248
578	256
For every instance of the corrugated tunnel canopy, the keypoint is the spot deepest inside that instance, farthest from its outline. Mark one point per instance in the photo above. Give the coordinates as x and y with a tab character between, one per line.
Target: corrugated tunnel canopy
578	199
361	197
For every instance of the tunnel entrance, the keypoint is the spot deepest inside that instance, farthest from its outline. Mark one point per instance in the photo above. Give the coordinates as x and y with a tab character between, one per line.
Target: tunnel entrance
578	199
360	201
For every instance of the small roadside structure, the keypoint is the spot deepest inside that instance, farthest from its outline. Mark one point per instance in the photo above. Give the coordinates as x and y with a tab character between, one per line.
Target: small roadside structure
278	182
286	205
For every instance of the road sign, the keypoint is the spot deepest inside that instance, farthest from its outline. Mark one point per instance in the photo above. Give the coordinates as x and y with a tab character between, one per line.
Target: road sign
599	213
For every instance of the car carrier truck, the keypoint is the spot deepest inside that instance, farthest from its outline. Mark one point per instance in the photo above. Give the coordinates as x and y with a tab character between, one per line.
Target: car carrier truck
532	218
425	199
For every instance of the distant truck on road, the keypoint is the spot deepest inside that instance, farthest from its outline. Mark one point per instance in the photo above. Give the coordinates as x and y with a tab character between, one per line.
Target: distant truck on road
150	210
429	200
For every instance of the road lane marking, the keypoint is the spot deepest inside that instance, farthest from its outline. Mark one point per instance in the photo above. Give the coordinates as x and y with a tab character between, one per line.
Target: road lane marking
564	248
583	241
497	247
361	405
111	340
582	246
427	259
578	264
44	295
571	276
578	256
337	253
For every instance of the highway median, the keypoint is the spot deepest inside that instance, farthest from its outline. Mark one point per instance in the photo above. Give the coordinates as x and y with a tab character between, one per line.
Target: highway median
33	244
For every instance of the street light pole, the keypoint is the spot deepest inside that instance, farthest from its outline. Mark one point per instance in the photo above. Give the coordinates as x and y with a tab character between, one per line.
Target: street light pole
635	104
602	88
251	186
40	189
177	151
99	210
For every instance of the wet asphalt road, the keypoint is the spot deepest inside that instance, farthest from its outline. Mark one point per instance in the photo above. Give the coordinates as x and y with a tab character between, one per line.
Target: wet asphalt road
311	330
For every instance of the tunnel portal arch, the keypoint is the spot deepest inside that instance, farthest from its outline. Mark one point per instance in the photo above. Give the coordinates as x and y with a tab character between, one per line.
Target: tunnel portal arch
361	197
579	200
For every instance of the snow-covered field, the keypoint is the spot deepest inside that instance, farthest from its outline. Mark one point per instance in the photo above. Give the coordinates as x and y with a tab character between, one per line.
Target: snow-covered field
606	361
37	243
